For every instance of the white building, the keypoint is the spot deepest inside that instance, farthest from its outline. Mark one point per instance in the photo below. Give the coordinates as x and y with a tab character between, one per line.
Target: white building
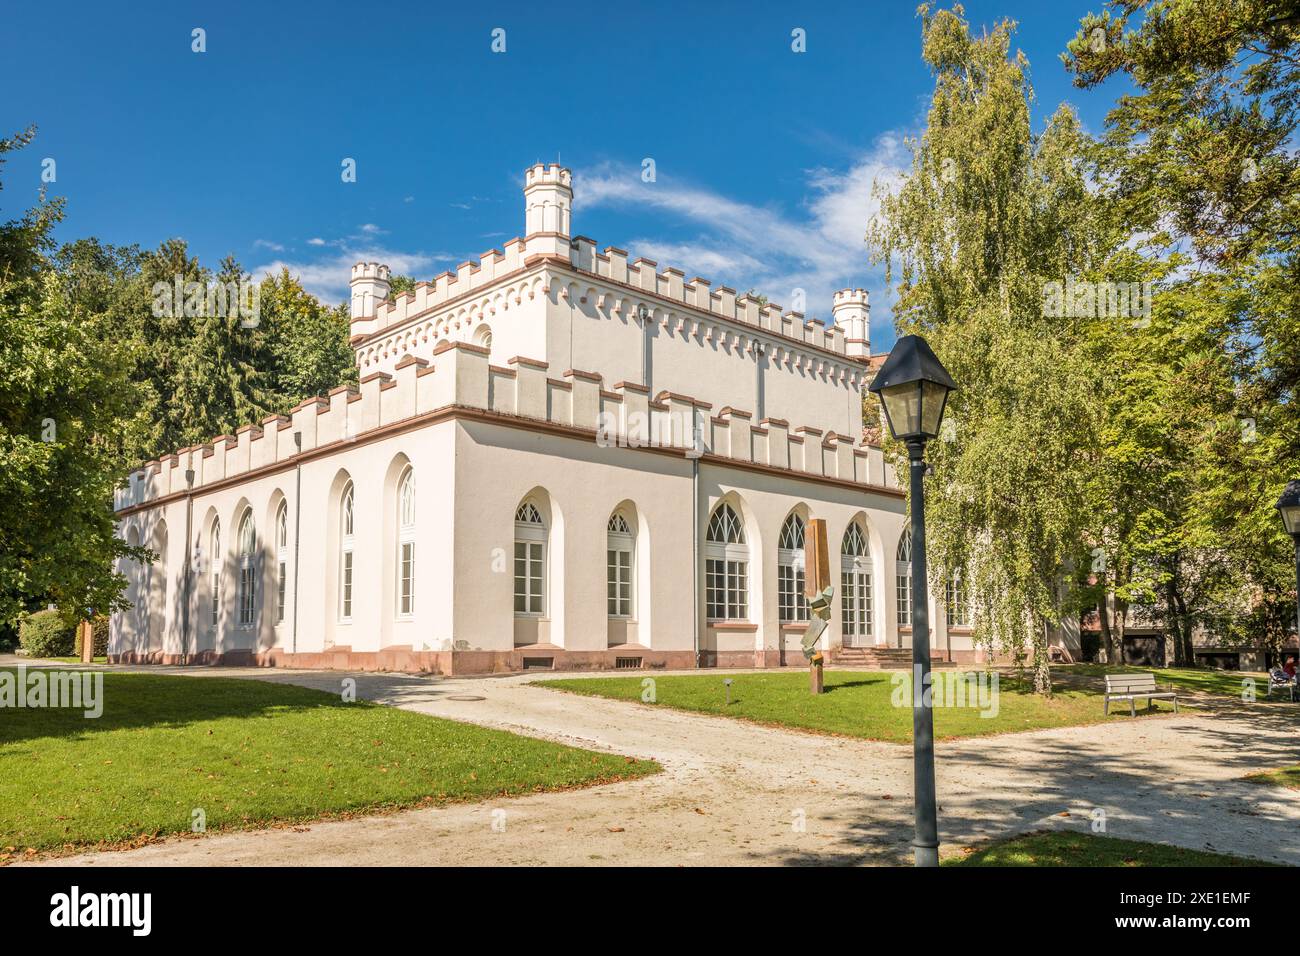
556	457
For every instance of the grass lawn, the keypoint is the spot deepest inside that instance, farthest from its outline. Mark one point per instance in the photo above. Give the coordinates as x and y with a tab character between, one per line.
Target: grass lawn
1228	683
1288	777
1069	848
856	703
251	753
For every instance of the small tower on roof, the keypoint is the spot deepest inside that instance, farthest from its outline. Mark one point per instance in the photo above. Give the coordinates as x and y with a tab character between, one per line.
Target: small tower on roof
369	285
852	312
548	207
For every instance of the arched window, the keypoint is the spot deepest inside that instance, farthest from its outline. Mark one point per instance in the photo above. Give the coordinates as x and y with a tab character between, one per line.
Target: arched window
620	548
138	589
791	602
281	560
215	561
903	580
726	567
855	587
483	336
247	570
955	601
406	543
530	561
346	542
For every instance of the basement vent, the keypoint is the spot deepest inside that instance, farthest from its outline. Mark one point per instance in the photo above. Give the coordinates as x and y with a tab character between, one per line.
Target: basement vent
539	663
627	663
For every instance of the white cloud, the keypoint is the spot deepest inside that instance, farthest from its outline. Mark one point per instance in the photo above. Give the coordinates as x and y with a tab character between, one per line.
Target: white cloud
267	244
819	249
315	241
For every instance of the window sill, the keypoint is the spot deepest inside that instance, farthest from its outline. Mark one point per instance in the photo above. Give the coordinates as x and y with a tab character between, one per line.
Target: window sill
733	625
794	625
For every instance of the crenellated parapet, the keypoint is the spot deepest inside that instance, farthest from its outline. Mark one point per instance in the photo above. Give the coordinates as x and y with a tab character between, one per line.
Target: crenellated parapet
459	381
469	295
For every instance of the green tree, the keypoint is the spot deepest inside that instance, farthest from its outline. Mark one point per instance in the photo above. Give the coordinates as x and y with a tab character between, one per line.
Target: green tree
1200	157
308	344
989	215
66	398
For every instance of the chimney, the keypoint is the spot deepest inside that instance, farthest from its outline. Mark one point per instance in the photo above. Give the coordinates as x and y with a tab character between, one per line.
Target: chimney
548	203
369	285
852	313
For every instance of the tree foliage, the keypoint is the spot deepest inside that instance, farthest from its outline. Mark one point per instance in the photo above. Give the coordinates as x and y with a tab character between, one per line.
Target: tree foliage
100	371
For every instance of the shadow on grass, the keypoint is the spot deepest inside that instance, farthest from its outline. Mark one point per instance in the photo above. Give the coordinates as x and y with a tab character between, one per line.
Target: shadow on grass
137	701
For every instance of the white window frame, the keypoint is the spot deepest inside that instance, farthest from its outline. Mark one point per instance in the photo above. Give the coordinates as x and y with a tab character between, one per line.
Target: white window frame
281	561
214	540
347	547
406	544
857	602
903	580
956	601
792	603
620	568
726	568
247	591
530	538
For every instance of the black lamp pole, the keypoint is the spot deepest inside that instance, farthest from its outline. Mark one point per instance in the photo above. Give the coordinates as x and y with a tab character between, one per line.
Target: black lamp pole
913	388
1288	506
926	842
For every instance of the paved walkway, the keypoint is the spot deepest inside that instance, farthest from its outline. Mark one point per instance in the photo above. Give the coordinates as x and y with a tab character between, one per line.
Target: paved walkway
734	793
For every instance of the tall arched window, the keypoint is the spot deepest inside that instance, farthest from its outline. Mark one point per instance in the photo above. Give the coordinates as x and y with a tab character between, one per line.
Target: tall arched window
215	560
281	560
247	570
530	561
855	586
903	580
345	553
726	567
620	549
955	601
791	602
406	543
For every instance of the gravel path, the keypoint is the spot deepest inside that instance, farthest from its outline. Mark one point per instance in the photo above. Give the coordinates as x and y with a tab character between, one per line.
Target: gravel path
734	793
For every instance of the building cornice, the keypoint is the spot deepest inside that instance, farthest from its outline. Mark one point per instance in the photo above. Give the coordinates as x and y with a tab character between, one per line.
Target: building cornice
466	413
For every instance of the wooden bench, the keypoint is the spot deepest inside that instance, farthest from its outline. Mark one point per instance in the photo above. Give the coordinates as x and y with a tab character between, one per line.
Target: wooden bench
1130	687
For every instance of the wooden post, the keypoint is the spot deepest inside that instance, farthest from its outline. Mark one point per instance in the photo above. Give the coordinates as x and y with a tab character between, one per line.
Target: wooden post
87	642
816	577
816	560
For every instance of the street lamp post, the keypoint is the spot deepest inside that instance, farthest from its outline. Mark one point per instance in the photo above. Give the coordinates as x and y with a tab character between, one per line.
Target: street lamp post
1288	506
913	388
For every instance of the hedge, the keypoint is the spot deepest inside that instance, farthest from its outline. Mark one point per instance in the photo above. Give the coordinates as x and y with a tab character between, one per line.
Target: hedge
44	634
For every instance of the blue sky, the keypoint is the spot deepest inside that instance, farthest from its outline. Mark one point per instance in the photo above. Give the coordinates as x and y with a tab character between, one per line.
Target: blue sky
764	157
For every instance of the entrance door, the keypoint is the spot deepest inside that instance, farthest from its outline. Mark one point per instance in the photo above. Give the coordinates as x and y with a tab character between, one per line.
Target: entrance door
855	606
